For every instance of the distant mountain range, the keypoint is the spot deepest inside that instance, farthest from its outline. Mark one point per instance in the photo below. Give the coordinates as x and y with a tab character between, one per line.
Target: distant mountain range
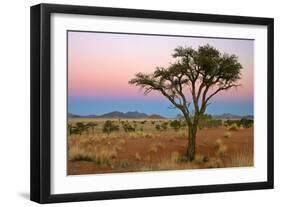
232	116
120	115
138	115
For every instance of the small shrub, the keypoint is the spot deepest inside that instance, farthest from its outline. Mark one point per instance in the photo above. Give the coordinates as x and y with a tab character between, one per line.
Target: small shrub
148	135
158	127
128	127
161	127
143	122
92	125
164	126
207	121
175	124
247	123
109	127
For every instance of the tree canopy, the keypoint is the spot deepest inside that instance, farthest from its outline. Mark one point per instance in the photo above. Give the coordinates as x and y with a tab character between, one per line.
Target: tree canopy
194	78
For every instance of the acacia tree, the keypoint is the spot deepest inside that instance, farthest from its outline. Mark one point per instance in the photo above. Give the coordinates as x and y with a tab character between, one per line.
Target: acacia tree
191	81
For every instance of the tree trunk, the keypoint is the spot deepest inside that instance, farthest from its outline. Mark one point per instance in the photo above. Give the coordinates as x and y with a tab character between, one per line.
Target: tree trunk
192	130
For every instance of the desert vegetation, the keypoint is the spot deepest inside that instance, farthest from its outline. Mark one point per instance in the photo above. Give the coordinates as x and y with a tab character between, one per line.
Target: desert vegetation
128	145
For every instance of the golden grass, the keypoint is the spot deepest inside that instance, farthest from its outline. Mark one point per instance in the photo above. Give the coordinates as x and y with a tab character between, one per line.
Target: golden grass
78	154
175	156
140	134
102	156
174	163
182	134
241	158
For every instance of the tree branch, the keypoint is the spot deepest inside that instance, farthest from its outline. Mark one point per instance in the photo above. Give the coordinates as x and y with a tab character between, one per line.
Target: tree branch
221	89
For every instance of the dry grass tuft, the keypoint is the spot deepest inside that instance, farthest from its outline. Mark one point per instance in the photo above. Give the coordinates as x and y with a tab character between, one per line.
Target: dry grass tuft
160	145
138	157
227	135
205	141
100	156
175	156
242	158
124	164
220	147
233	127
182	134
122	141
175	163
118	148
214	162
199	159
153	149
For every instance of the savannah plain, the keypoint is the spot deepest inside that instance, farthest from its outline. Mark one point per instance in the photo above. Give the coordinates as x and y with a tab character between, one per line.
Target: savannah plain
97	145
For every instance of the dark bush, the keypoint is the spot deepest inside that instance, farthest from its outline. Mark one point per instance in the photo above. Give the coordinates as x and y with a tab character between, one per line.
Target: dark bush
175	124
247	123
128	127
109	127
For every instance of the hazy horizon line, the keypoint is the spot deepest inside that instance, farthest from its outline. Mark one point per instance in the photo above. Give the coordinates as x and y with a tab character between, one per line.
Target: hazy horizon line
149	114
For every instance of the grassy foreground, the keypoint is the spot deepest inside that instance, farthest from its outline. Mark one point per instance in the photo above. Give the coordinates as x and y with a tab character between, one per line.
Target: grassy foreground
139	145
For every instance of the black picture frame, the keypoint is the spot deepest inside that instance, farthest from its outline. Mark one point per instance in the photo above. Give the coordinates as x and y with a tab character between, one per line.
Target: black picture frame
41	98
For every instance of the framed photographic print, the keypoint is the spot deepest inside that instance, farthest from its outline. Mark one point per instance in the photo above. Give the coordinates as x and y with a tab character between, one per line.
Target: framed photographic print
133	103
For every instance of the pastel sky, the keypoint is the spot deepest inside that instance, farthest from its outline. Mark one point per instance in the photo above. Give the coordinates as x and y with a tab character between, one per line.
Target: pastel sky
101	64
